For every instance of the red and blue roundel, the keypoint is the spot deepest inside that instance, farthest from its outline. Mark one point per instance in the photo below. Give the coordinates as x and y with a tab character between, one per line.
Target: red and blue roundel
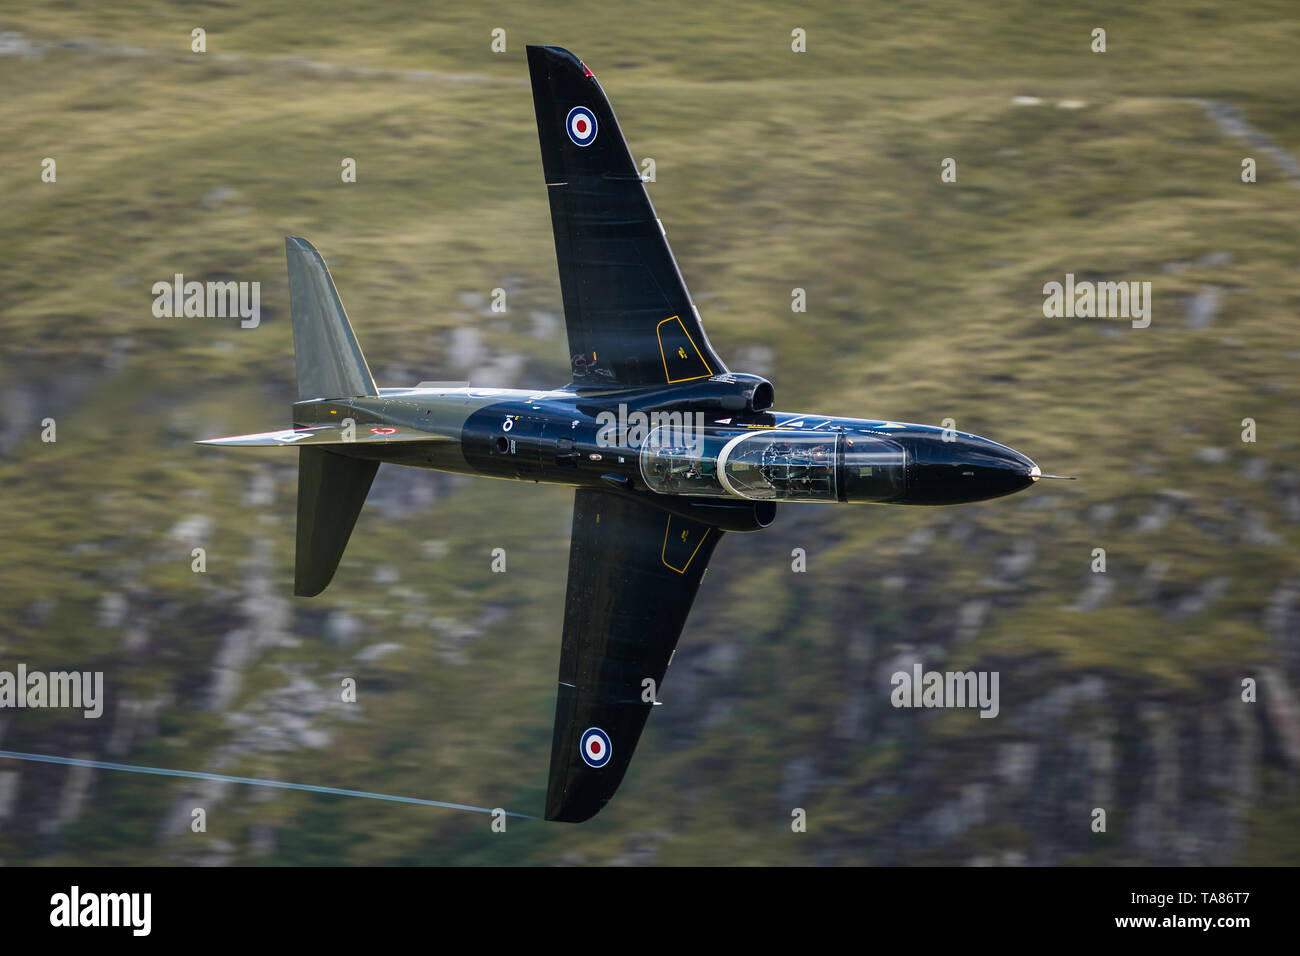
581	125
596	748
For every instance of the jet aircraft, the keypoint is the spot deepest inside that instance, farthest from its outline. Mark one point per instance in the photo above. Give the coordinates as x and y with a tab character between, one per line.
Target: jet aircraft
667	449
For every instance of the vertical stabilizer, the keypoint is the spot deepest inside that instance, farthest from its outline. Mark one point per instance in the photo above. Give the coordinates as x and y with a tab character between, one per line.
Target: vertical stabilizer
329	360
331	491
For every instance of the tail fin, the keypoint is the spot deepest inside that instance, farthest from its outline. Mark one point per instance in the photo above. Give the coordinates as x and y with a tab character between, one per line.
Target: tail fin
330	363
331	487
331	491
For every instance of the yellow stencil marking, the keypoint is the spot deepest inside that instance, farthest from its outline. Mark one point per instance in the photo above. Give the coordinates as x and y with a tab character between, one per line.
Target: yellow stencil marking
680	351
663	554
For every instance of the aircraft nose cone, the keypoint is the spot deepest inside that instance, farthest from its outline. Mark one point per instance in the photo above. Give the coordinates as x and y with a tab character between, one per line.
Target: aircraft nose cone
1021	464
966	469
999	470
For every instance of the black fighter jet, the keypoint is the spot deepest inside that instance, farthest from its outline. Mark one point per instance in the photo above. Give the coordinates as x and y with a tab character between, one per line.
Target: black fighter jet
667	449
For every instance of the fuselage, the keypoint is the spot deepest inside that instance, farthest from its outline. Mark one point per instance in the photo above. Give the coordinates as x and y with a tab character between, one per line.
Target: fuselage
695	442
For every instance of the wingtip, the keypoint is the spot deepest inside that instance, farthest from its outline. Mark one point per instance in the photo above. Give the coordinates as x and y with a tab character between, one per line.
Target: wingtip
563	814
307	590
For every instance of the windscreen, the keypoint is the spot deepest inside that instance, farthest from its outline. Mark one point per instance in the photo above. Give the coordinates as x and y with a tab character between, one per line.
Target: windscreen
872	469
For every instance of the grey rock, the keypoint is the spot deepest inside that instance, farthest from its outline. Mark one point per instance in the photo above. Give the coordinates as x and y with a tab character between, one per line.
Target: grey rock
465	350
1199	600
112	609
545	325
217	196
260	491
342	628
1099	589
9	781
1255	469
193	531
376	651
1202	307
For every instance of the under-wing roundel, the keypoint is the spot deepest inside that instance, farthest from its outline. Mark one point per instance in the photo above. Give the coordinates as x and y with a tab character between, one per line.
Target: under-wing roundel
633	574
630	320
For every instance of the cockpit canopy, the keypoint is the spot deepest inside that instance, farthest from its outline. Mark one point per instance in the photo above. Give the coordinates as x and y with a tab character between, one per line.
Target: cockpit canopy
785	466
773	465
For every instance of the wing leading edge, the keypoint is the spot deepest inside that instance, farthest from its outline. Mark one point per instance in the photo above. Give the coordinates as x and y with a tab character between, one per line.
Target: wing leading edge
633	574
630	318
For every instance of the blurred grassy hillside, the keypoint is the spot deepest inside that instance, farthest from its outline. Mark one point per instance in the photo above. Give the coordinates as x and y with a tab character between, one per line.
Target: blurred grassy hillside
774	171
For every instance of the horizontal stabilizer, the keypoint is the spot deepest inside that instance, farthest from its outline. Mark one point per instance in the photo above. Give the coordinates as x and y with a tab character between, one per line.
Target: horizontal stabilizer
328	435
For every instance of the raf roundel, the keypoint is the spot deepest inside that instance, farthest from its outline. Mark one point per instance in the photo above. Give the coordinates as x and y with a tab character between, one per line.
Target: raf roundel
581	126
595	747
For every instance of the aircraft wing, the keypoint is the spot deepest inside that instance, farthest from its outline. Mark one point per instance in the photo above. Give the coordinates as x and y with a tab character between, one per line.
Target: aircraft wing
633	574
630	319
327	435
